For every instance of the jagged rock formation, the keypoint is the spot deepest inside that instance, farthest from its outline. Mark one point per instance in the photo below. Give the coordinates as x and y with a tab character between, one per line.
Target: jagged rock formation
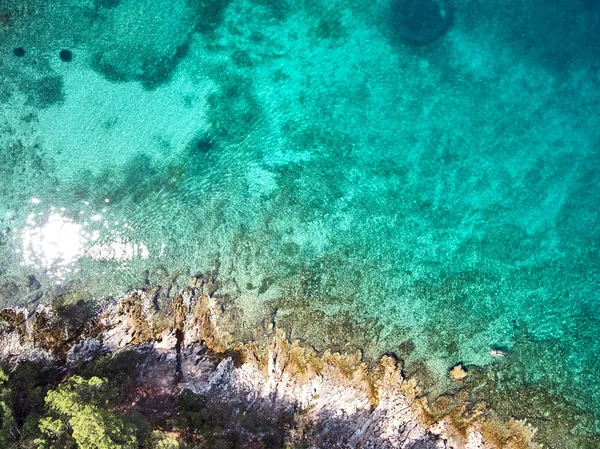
327	400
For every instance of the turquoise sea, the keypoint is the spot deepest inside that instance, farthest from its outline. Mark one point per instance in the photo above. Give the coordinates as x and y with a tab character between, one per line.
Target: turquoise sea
411	176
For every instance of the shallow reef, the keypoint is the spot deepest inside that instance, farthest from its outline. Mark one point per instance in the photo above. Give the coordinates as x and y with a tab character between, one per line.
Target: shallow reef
416	178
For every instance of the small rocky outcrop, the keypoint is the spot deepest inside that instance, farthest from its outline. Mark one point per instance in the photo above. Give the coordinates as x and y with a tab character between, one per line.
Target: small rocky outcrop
457	372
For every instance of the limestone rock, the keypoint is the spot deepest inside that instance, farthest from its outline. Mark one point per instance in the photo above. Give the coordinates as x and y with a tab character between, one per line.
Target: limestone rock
85	351
458	372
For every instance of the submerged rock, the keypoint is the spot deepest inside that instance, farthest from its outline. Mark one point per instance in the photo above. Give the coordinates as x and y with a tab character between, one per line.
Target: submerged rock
66	55
10	292
32	283
420	22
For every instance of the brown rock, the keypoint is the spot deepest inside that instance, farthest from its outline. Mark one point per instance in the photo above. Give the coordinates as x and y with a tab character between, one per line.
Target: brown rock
458	372
137	320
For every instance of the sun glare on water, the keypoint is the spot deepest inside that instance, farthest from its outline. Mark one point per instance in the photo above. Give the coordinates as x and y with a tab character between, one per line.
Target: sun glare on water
54	242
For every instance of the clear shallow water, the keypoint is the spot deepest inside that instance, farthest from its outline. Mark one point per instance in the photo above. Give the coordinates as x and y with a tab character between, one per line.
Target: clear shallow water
446	194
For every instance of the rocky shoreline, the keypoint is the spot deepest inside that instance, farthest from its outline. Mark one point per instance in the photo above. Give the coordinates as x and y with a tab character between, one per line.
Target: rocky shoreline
284	392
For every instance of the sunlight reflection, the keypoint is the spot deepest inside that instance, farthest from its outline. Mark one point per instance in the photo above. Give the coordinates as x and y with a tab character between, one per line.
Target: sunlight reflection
55	242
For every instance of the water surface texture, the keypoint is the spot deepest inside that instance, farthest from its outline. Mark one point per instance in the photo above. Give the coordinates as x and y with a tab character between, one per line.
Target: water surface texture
428	170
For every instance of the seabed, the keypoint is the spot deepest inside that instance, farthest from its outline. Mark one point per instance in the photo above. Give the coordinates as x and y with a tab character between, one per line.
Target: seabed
409	177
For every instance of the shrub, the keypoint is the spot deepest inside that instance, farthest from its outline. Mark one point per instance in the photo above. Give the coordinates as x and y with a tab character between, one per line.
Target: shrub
159	441
8	428
76	417
197	416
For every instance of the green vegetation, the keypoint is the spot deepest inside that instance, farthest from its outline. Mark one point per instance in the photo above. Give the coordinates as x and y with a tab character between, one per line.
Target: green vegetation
122	368
74	414
196	416
77	417
38	410
162	442
7	421
98	407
